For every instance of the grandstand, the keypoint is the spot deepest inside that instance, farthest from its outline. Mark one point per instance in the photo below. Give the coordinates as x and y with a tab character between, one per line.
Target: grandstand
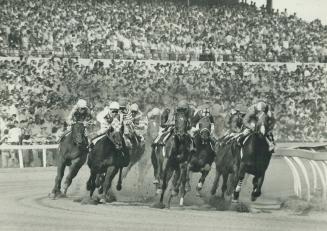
54	52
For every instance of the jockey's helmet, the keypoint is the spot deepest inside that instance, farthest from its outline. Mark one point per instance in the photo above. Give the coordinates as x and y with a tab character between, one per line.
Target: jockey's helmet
81	103
134	107
114	106
193	104
182	105
262	107
156	111
122	103
240	108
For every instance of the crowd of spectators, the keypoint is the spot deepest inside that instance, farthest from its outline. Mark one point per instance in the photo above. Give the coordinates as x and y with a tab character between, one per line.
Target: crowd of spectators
36	95
156	30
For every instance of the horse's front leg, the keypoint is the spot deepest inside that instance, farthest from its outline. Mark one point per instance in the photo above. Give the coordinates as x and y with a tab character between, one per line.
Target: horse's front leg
183	182
90	185
73	170
257	184
60	173
199	187
111	173
241	175
119	183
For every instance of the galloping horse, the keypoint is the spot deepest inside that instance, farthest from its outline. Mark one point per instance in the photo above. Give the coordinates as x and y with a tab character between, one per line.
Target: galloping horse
201	160
255	158
135	145
107	157
174	160
72	152
227	161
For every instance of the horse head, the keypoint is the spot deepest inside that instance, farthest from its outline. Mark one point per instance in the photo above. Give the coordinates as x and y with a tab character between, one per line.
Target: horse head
116	137
78	133
181	124
205	128
261	127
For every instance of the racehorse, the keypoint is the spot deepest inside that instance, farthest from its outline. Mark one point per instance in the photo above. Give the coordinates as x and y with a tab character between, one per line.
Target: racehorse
175	158
72	152
105	160
136	148
201	160
227	161
255	158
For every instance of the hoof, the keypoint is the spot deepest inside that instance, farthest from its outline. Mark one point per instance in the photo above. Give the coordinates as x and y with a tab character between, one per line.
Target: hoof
253	197
155	181
111	199
118	187
56	195
158	205
52	196
159	191
102	201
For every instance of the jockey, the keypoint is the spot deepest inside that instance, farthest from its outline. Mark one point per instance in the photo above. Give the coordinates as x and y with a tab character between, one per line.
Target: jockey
251	117
108	117
167	120
79	113
197	116
140	125
234	123
184	107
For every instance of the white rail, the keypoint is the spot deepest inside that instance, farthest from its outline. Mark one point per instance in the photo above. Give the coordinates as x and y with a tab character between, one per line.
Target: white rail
20	149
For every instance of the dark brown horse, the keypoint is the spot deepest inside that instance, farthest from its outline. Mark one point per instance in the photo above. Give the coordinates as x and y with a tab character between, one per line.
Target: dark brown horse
175	159
202	159
136	147
108	157
255	158
227	162
72	152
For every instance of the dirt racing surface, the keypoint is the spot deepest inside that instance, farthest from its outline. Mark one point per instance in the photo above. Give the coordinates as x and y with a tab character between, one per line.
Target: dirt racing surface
25	206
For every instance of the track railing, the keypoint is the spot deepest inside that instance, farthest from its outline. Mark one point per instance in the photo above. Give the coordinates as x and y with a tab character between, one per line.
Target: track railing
20	149
306	162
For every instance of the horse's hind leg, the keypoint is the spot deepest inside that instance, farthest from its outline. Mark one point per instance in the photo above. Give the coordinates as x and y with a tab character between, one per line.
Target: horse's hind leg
215	182
224	185
73	170
60	173
154	162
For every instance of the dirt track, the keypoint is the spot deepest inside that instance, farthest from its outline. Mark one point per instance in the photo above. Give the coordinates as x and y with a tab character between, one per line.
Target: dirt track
25	206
